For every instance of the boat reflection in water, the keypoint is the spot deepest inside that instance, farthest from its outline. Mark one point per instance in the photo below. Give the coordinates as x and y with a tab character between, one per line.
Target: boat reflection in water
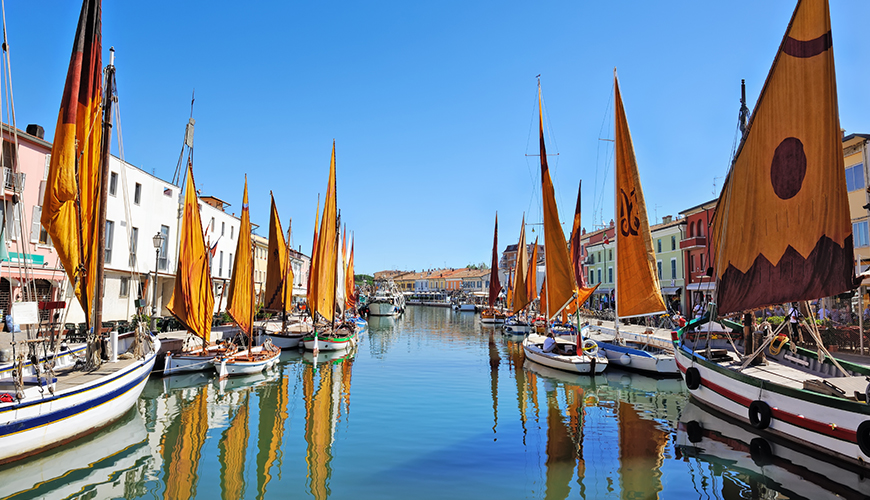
108	464
326	392
747	465
595	420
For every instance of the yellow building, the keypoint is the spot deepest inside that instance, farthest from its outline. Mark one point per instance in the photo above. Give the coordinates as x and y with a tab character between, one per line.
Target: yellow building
261	251
855	159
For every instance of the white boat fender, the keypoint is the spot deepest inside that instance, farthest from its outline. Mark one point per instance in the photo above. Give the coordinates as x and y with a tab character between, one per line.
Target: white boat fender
863	437
693	378
590	348
625	359
759	414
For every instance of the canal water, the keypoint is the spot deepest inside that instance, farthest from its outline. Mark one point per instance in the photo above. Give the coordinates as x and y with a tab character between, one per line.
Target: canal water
430	405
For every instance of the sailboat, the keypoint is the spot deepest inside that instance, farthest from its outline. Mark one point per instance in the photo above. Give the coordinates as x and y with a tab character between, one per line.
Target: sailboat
491	315
789	167
326	288
241	308
560	285
192	301
51	405
279	286
638	292
516	324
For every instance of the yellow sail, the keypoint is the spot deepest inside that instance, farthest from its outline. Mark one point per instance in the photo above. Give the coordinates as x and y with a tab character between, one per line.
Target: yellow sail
273	414
637	283
232	451
326	252
276	265
532	276
561	287
76	161
520	290
783	228
192	301
351	282
240	299
182	449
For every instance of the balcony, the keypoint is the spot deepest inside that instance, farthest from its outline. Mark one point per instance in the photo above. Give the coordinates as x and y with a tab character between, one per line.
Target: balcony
692	243
12	181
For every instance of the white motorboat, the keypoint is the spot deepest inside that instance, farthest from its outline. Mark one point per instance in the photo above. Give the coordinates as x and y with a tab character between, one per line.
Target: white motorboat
249	361
589	360
387	301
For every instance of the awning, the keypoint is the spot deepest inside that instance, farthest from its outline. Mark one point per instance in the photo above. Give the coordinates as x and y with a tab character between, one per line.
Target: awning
602	291
705	286
672	290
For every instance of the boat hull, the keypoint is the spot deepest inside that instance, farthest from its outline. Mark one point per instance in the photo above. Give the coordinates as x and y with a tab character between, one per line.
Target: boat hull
327	344
640	360
238	364
284	340
823	423
382	309
189	361
574	364
34	425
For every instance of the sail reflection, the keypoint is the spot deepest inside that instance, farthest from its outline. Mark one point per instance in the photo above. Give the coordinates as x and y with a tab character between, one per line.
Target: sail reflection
270	431
494	361
325	386
232	450
181	447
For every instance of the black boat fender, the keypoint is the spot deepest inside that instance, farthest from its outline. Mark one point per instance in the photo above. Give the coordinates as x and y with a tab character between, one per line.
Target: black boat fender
863	437
759	414
760	452
693	378
694	431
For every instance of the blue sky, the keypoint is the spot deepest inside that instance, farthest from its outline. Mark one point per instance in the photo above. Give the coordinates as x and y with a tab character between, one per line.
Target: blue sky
431	104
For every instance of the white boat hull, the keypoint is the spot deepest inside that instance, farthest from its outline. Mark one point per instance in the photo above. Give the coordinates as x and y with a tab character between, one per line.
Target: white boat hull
574	364
190	361
491	321
283	340
653	364
39	423
517	329
383	309
318	344
238	364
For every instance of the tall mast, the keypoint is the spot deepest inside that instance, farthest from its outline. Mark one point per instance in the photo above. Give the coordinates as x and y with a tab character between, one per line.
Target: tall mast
93	354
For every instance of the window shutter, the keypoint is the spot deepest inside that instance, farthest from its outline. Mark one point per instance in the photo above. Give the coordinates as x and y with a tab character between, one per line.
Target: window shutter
35	224
16	222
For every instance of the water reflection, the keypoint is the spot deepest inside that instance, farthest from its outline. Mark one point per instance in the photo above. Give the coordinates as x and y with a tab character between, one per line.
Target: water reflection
738	463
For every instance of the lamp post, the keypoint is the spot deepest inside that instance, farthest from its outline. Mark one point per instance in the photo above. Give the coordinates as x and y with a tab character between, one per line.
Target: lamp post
158	244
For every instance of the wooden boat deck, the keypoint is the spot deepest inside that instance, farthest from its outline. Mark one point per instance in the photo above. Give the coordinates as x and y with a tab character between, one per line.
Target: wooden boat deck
70	379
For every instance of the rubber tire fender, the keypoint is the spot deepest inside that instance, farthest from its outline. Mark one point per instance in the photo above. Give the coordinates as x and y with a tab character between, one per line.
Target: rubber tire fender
759	414
863	437
693	378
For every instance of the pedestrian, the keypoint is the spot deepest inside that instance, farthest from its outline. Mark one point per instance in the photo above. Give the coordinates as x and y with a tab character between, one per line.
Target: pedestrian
793	316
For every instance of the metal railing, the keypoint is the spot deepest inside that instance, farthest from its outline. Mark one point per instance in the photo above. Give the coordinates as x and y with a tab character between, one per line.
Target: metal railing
12	181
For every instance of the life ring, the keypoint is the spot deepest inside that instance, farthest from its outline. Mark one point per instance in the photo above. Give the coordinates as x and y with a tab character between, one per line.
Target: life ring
694	431
759	450
759	414
590	348
863	437
777	344
693	378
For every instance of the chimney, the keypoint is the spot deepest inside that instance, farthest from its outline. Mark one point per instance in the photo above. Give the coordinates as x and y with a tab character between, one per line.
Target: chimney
611	223
36	131
667	218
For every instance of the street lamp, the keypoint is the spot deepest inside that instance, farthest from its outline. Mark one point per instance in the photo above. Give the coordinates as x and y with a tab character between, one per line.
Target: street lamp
158	240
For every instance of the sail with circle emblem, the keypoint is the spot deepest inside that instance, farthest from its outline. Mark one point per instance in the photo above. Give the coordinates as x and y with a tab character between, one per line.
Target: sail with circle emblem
782	231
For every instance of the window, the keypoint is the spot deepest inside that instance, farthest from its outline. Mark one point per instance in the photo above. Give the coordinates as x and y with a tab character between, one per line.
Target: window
659	244
223	226
610	275
702	262
221	264
163	261
673	269
692	263
230	265
700	230
855	177
591	277
110	230
125	287
692	229
11	214
610	254
673	242
232	229
137	193
599	256
212	223
113	183
859	233
35	225
134	245
9	158
659	266
167	192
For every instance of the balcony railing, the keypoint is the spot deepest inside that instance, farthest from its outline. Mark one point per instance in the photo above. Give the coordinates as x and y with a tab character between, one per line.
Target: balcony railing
12	181
695	242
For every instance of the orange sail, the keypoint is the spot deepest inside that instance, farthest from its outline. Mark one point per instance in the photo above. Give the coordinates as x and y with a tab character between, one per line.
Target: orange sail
561	288
182	445
783	230
583	292
312	283
276	265
351	282
532	276
240	299
232	451
494	283
192	301
637	283
326	252
520	290
544	303
75	160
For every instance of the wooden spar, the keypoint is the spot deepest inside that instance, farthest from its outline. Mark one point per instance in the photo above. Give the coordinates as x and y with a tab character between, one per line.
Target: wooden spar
335	268
106	146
